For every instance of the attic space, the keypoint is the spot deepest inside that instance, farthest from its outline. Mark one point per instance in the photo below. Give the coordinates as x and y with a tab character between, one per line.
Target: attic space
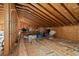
39	29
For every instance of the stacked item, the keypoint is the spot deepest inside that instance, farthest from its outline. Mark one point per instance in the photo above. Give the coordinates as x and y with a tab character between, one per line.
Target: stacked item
51	33
37	33
31	37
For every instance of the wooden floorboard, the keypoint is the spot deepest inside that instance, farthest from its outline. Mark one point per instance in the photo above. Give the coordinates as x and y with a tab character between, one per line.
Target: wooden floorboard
47	47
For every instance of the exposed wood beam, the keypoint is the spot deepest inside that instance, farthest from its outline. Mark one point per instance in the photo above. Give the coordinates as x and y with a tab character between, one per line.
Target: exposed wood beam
1	4
63	23
33	16
47	19
30	17
56	22
7	29
21	18
70	13
41	19
60	13
78	4
10	27
51	20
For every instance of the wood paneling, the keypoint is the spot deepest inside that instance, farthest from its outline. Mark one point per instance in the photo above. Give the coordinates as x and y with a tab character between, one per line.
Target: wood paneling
73	9
35	12
52	14
63	17
10	27
68	32
13	26
1	17
7	25
29	22
41	14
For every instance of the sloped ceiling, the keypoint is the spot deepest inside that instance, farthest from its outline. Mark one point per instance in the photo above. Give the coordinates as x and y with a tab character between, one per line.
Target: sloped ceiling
1	17
1	13
50	14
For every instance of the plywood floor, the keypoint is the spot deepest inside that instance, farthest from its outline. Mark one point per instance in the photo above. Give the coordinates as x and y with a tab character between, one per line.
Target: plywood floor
45	47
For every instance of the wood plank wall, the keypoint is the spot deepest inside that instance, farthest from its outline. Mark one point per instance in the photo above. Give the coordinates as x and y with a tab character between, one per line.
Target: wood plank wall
68	32
25	22
1	17
11	21
6	29
13	25
1	23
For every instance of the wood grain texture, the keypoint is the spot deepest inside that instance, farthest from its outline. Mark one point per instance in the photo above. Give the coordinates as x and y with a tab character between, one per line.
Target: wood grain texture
1	17
45	47
68	32
10	27
54	14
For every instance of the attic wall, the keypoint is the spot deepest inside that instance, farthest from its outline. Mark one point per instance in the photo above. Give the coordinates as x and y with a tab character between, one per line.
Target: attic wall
23	25
11	27
1	23
25	22
68	32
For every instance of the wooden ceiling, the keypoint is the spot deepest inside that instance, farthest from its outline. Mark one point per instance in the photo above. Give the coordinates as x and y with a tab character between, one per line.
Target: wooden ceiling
1	9
1	13
48	14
